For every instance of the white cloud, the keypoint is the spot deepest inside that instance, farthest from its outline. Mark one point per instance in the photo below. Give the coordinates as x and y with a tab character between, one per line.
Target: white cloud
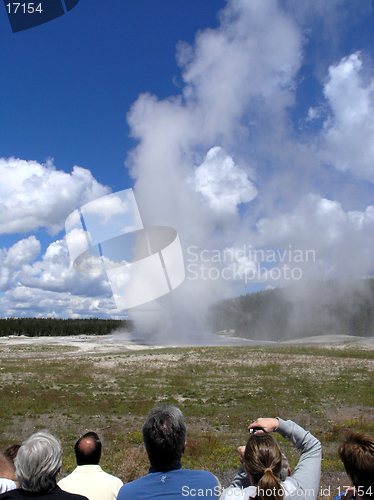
24	301
20	253
222	183
107	207
50	287
340	239
54	272
238	92
349	131
33	196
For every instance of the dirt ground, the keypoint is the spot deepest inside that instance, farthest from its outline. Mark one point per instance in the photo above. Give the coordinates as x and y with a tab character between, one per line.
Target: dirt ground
20	346
118	342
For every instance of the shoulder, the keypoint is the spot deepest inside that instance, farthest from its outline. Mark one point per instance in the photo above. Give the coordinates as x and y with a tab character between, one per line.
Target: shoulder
10	494
200	472
238	493
69	477
136	483
179	478
132	488
64	480
290	486
199	475
199	483
55	494
6	485
109	477
85	472
58	493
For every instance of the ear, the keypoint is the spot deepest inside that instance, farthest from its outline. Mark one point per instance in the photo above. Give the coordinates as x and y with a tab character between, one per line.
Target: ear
184	447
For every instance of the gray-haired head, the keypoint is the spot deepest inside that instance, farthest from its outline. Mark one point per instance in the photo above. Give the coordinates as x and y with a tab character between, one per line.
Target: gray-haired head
164	434
38	462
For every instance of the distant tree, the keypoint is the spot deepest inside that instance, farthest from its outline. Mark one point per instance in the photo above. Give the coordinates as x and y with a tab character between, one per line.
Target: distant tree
320	308
50	327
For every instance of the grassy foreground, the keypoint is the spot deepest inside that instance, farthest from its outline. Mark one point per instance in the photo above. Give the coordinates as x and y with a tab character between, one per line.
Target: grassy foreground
220	390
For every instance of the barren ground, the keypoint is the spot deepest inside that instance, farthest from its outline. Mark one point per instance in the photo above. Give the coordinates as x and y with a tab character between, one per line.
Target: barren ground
201	380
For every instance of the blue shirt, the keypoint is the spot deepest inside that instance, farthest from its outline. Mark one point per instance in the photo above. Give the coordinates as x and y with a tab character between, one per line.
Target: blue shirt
338	497
173	485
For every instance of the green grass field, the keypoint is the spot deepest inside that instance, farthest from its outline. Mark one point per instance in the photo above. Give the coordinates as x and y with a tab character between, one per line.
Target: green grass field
220	390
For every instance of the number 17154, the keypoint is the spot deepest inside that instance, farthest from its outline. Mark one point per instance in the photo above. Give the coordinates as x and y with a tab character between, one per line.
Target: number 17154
24	8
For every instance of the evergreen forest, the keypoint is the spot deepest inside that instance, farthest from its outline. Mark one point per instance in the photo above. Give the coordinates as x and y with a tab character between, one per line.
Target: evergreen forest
297	311
52	327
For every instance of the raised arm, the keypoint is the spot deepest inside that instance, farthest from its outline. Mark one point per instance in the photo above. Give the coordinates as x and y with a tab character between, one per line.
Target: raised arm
307	473
304	482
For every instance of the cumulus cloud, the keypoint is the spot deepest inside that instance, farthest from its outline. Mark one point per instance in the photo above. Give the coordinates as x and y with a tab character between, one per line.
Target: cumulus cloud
20	253
348	138
33	196
240	82
341	240
33	302
31	284
55	273
222	183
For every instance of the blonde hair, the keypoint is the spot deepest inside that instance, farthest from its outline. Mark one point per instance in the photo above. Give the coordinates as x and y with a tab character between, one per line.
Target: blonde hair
263	462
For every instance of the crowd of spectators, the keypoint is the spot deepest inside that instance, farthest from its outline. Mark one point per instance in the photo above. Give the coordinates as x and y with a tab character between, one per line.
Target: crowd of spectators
31	470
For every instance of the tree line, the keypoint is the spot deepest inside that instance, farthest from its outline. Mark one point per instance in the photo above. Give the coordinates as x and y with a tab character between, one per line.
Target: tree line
54	327
318	308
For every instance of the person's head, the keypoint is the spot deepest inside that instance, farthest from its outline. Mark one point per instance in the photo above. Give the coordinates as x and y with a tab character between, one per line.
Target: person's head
357	454
164	435
11	452
38	462
88	449
286	469
263	463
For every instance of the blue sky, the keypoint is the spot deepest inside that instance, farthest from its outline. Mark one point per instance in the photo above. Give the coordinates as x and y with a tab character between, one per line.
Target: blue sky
67	85
244	124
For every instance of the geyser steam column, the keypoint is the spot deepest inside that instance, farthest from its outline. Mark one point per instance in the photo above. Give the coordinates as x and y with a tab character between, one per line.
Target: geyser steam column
142	264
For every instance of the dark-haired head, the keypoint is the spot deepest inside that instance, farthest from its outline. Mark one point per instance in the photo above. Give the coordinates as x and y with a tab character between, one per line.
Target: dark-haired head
88	449
357	455
164	434
11	452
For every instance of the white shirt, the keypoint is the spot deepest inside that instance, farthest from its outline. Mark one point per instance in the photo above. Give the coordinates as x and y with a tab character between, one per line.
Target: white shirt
92	482
6	485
